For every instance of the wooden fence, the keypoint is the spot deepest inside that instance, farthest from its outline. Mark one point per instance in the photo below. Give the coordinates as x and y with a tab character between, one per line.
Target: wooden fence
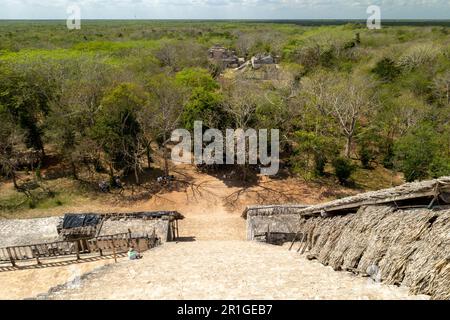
117	243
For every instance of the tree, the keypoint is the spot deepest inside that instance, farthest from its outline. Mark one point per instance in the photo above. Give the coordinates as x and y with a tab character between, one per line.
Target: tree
386	69
312	151
345	99
204	103
177	55
11	142
167	100
117	130
416	151
81	86
24	93
343	169
241	102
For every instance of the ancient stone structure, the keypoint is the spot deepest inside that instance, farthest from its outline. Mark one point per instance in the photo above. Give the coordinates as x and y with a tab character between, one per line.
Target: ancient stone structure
262	59
44	230
227	58
278	220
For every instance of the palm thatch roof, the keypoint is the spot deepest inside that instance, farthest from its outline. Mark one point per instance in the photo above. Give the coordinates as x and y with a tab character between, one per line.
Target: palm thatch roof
274	210
431	192
408	247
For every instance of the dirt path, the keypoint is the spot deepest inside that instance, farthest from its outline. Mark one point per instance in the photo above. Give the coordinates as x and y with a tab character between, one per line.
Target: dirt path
225	270
204	206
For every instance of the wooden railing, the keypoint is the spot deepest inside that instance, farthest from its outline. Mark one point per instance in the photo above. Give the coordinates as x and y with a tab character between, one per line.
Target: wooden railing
117	243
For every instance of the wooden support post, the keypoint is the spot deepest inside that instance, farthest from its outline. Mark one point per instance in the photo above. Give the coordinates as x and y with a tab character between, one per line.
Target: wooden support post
305	245
77	249
293	241
301	242
173	230
36	254
15	253
114	250
129	238
13	262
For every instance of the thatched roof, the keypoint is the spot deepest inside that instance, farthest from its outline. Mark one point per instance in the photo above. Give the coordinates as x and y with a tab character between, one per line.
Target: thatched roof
145	215
274	210
403	247
438	189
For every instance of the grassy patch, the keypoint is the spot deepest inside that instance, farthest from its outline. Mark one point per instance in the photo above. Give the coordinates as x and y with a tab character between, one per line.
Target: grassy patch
58	194
376	179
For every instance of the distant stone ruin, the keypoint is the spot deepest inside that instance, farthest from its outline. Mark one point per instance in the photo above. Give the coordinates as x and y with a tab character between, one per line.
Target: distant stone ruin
226	57
262	59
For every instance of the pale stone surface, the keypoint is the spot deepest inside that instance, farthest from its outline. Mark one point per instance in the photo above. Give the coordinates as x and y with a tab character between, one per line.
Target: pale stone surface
137	226
226	270
28	231
29	283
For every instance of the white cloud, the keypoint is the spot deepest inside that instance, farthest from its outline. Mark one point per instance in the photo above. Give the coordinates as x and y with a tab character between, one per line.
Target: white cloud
265	9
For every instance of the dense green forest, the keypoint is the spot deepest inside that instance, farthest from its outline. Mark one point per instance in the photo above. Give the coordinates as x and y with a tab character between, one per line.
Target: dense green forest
343	96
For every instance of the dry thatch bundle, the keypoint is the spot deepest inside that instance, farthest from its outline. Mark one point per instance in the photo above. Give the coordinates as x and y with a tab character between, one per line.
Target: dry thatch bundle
439	189
391	243
403	247
333	238
429	268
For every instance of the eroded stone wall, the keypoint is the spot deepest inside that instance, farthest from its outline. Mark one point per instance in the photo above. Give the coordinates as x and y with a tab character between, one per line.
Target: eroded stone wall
28	231
137	226
279	223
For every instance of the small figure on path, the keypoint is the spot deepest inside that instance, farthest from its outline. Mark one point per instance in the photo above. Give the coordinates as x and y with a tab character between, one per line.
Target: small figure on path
104	187
133	254
118	184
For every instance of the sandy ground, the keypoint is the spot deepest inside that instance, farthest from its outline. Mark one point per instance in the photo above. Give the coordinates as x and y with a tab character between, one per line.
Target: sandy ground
225	270
28	283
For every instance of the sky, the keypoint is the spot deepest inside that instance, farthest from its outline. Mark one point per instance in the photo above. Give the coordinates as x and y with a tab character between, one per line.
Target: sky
225	9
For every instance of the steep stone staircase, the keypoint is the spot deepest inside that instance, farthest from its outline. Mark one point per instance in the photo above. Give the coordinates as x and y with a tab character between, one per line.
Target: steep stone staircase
223	270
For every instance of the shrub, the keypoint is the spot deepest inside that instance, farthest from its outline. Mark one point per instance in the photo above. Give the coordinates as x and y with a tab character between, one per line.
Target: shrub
386	70
365	156
32	204
319	165
343	169
418	56
311	152
388	158
415	152
440	167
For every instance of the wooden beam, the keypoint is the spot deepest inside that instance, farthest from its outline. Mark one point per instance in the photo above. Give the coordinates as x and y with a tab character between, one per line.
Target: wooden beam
77	249
114	250
13	262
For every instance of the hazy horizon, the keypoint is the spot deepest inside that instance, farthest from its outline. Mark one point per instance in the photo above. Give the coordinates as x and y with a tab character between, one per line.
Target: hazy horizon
225	9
